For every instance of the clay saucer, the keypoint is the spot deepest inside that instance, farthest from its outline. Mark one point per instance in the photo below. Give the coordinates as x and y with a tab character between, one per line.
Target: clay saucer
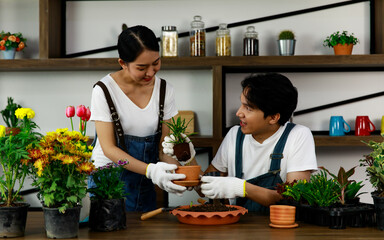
187	183
283	226
209	218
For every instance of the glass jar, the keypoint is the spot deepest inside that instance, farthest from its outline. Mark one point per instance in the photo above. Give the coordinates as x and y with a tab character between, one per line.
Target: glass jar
197	37
251	43
223	41
169	41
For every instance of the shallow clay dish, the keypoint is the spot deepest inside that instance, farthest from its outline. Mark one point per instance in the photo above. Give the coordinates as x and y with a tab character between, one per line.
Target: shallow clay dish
189	183
209	218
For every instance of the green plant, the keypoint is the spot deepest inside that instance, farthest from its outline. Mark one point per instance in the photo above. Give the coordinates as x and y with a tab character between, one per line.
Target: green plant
374	163
286	34
8	113
177	128
347	190
14	155
61	164
292	191
12	40
342	38
107	180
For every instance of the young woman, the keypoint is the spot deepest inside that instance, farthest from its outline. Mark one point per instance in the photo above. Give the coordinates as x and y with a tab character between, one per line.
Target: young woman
134	108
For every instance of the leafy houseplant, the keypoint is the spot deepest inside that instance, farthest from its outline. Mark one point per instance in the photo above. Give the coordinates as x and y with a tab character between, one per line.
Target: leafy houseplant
61	164
107	211
341	41
14	155
179	138
12	40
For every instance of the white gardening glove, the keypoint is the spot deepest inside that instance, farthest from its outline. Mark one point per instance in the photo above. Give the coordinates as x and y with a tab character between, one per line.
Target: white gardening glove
161	175
168	147
222	187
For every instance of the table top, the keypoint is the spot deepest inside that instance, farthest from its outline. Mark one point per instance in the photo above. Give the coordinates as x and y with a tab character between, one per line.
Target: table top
167	226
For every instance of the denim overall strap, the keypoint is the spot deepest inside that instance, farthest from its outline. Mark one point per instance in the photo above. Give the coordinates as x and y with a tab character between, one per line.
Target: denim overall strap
239	153
271	178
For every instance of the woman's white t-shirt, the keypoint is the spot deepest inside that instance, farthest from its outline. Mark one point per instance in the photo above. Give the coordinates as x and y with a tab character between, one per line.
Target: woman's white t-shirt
298	155
135	121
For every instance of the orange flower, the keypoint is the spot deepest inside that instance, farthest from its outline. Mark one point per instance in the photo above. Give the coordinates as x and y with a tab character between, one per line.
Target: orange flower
21	46
12	38
2	42
86	167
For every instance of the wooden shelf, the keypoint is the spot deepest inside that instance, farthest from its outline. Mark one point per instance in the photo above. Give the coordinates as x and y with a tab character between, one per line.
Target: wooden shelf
345	141
351	63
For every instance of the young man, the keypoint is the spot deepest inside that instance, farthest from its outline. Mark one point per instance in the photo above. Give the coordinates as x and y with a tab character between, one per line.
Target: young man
265	149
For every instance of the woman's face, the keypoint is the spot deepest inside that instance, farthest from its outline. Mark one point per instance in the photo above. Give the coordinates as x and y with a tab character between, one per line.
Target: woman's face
144	68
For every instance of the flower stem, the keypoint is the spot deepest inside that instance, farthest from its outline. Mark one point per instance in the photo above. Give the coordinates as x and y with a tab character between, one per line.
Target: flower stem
71	124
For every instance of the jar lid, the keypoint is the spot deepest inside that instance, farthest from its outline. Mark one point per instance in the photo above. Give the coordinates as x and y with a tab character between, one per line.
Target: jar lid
168	28
197	23
250	33
223	30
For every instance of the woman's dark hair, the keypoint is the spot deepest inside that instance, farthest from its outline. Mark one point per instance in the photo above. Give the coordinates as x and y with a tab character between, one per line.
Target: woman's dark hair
134	40
271	93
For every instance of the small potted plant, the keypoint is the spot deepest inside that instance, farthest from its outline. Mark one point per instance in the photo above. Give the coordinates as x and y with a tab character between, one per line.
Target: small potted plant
107	211
10	43
9	117
342	43
179	146
60	165
286	43
14	162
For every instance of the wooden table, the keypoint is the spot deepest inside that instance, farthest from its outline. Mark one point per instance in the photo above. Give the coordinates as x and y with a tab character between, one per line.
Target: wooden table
166	226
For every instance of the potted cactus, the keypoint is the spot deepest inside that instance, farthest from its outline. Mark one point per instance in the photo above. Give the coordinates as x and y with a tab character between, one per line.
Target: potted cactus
286	43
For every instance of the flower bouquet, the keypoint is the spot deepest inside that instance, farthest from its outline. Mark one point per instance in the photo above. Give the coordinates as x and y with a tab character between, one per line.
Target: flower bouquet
9	117
14	162
107	198
12	40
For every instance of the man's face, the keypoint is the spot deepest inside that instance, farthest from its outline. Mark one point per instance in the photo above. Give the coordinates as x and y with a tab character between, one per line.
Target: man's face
252	121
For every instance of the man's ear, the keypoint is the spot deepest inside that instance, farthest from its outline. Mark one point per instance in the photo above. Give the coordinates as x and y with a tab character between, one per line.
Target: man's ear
274	118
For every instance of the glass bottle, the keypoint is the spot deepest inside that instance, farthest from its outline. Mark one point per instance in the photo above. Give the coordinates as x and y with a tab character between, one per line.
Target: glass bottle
197	37
223	41
251	43
169	41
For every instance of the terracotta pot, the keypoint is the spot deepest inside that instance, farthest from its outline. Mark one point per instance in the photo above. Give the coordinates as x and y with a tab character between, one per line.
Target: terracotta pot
345	49
282	214
191	172
182	151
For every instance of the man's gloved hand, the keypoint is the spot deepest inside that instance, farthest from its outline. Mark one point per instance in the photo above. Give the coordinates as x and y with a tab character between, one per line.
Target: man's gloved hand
222	187
168	147
161	175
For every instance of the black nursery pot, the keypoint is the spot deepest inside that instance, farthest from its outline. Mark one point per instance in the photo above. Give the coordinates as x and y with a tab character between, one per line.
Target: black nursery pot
379	210
107	215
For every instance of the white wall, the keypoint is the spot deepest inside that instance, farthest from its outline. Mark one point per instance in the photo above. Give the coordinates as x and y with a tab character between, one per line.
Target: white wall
96	24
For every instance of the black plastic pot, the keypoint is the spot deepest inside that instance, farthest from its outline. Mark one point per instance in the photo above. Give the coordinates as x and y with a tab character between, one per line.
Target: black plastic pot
62	225
107	215
379	209
13	220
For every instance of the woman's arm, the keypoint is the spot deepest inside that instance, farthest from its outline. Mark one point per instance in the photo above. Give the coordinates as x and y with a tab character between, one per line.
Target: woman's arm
106	136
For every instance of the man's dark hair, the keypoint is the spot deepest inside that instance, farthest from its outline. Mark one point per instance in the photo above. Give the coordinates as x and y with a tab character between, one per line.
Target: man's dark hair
134	40
271	93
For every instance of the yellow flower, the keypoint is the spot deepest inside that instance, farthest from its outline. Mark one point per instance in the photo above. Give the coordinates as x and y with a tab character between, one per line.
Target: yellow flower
24	112
2	131
68	159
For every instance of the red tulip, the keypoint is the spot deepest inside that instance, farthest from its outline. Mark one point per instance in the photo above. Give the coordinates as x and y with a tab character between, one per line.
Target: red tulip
87	115
81	111
70	111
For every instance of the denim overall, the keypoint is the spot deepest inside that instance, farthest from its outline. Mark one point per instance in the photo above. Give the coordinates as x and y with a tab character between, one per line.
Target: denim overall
139	191
268	180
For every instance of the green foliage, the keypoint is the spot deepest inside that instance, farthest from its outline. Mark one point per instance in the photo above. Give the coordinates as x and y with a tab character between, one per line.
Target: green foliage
347	188
108	183
14	157
177	128
8	113
374	163
286	34
342	38
292	191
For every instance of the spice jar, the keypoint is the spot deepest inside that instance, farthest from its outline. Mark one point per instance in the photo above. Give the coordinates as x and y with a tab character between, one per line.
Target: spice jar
197	37
223	41
169	41
251	43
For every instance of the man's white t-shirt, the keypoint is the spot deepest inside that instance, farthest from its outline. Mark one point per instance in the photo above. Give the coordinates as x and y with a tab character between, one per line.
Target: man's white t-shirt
135	121
298	155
